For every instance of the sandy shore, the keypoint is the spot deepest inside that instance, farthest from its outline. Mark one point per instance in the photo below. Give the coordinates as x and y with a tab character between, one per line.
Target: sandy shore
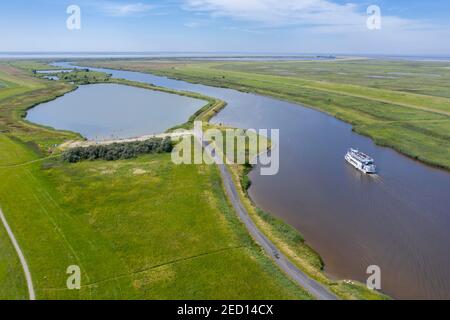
87	143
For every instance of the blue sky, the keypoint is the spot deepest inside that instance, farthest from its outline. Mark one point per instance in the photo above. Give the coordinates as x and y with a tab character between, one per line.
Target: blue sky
283	26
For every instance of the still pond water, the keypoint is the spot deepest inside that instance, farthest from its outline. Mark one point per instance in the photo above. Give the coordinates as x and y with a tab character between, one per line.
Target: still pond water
106	111
398	219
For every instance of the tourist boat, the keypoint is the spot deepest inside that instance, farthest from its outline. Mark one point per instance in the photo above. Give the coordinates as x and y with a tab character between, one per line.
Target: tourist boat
361	161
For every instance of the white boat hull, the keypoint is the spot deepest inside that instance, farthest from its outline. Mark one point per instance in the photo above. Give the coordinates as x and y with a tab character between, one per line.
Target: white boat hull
358	165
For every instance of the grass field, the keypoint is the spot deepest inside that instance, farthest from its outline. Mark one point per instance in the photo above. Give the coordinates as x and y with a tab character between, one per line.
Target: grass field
409	112
138	229
429	79
21	93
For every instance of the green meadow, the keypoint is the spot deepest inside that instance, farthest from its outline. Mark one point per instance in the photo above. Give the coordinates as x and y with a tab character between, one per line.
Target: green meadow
399	104
138	229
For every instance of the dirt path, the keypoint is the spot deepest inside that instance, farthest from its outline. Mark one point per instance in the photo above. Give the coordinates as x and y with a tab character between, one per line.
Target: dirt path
22	259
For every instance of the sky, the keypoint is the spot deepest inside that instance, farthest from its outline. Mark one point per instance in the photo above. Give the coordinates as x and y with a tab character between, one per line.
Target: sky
407	27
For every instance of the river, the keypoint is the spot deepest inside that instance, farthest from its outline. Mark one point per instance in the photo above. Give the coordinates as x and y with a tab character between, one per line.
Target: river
398	219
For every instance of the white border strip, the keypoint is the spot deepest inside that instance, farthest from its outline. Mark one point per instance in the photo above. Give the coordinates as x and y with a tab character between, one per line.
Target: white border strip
26	270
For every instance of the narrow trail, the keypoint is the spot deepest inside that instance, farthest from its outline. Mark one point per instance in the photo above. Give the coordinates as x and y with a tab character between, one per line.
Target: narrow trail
22	259
16	165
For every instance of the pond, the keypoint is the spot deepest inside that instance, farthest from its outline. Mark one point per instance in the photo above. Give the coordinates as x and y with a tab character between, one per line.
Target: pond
112	111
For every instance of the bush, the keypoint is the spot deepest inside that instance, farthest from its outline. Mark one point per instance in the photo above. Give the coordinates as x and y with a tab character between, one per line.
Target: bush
118	151
245	180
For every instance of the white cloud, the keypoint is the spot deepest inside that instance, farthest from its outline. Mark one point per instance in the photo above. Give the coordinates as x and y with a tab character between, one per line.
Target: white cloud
324	14
123	10
276	12
193	24
326	26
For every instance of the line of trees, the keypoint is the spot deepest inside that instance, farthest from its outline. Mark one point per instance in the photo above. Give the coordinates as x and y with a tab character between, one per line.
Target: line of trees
118	151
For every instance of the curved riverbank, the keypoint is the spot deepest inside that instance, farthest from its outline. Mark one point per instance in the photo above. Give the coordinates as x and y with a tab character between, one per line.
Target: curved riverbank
270	87
397	221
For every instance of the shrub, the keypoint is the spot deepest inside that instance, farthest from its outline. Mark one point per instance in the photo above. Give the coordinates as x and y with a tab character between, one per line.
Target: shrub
118	151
